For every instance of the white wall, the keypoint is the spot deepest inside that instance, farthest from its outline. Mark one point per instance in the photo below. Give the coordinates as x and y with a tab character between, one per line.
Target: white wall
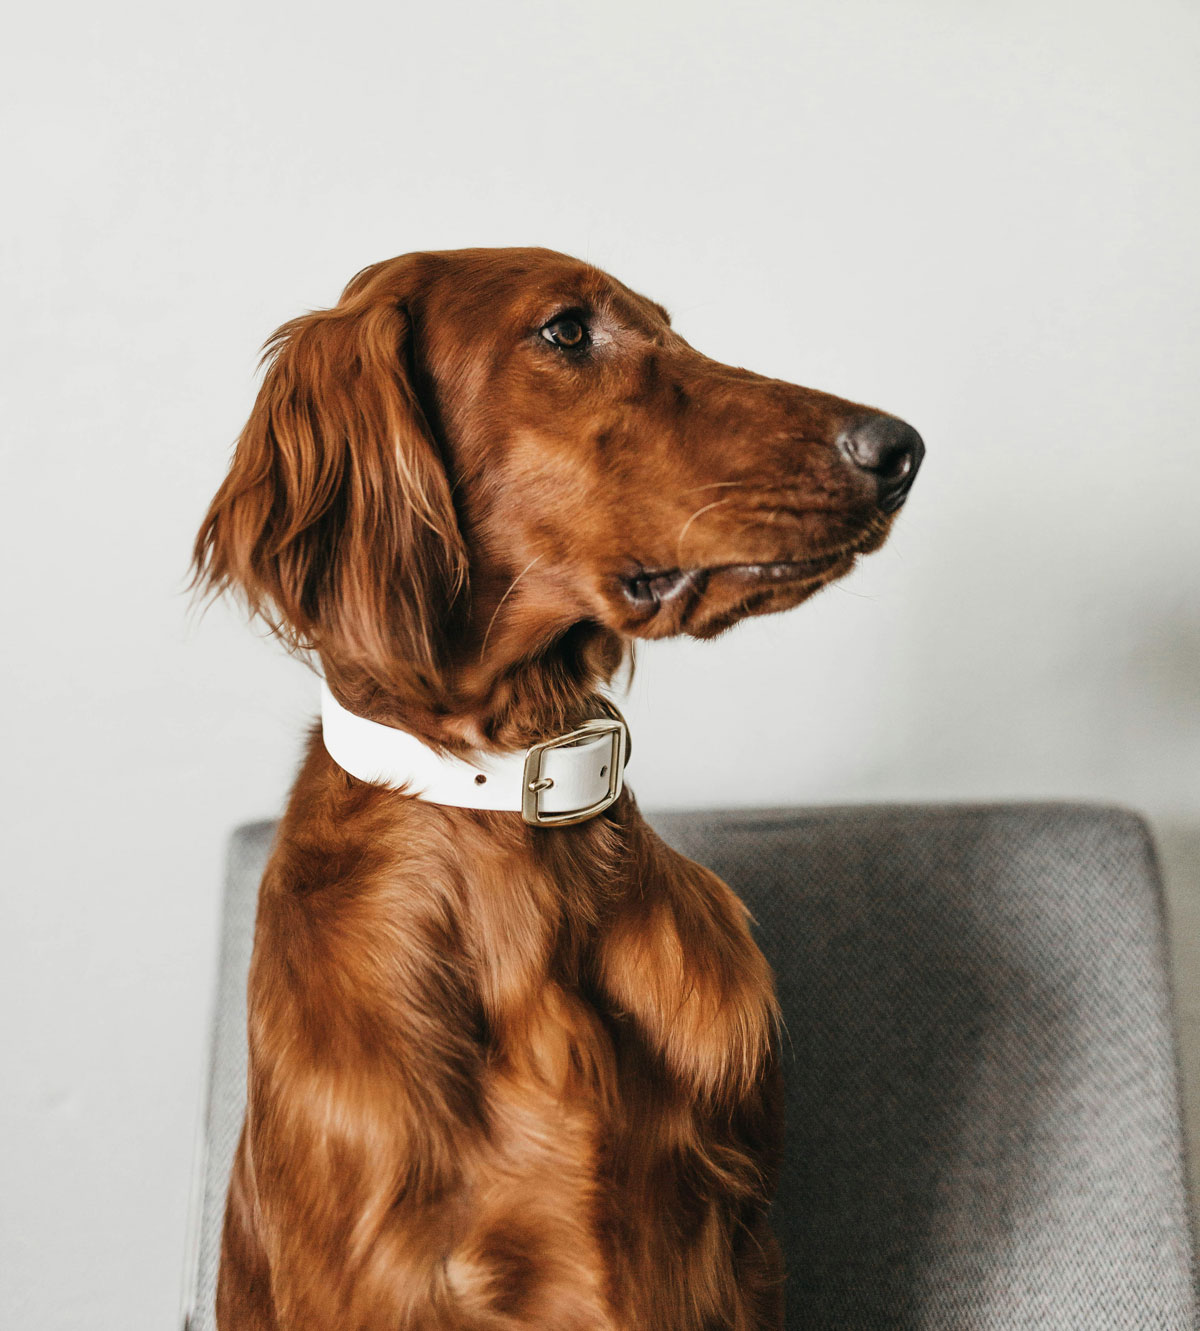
980	217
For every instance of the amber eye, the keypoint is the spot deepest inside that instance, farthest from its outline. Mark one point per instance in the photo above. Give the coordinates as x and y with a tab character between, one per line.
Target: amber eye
566	331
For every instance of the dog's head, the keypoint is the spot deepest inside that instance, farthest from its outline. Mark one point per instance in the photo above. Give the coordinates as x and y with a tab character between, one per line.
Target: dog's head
484	466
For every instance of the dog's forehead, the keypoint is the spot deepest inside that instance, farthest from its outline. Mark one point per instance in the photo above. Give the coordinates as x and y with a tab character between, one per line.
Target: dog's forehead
529	283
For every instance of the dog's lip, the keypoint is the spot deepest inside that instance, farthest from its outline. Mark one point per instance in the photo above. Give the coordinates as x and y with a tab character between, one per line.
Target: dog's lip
652	587
785	570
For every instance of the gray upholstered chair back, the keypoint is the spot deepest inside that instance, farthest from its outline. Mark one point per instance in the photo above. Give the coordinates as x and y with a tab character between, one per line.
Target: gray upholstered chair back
983	1111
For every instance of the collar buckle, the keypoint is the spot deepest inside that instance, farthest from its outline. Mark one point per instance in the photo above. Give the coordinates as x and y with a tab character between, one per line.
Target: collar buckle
533	783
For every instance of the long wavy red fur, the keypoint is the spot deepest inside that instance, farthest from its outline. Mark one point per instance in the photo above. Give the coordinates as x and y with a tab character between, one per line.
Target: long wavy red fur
502	1076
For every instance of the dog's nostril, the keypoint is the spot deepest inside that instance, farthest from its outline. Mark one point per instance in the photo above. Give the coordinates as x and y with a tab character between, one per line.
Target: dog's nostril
889	449
901	465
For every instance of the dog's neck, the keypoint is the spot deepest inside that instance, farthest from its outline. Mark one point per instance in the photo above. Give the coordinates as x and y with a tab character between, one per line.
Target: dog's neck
502	701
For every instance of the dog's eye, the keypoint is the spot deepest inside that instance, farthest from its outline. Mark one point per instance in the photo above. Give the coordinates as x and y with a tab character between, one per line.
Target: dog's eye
566	331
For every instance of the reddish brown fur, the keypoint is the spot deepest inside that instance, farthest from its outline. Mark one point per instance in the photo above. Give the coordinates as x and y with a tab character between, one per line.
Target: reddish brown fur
500	1076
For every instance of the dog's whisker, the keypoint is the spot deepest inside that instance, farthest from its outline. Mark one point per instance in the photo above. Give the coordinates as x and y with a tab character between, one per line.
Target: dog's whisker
500	606
721	485
716	503
862	596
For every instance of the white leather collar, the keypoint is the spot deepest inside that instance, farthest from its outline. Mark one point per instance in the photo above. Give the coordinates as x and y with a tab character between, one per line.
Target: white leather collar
563	780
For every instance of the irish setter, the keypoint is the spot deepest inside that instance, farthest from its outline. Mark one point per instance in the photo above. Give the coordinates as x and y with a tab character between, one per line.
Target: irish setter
503	1075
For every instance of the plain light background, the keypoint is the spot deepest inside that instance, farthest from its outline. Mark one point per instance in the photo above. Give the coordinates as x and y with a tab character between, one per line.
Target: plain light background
982	218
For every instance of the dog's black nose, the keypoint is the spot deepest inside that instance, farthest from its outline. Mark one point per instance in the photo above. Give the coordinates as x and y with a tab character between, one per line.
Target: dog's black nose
890	449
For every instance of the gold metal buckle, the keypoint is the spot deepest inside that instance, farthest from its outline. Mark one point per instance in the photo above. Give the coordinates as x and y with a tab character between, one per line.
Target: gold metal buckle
533	783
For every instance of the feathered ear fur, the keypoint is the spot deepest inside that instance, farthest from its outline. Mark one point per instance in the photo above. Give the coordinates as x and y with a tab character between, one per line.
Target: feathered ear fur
336	522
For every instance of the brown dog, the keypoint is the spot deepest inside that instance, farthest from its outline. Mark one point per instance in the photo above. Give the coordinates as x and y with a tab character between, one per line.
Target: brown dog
503	1075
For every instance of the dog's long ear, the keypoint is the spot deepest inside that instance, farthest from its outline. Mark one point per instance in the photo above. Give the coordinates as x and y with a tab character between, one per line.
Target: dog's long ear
336	522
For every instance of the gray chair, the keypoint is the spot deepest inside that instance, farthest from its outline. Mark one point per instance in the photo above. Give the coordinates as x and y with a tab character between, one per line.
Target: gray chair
983	1108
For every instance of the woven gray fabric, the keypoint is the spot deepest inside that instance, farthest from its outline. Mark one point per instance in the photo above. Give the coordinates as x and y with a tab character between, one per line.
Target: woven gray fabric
248	849
983	1117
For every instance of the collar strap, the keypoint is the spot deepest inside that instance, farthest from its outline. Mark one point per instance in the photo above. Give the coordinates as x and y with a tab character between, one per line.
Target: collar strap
563	780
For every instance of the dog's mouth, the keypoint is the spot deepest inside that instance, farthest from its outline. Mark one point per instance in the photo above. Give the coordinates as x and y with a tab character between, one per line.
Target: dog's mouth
648	590
704	600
